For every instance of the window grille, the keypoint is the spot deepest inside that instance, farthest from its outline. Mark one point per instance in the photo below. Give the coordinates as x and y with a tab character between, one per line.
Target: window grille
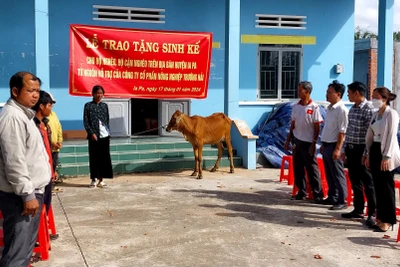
280	68
280	21
129	14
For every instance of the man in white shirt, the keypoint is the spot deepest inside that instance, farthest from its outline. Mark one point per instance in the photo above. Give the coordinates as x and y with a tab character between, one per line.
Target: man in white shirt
332	138
305	127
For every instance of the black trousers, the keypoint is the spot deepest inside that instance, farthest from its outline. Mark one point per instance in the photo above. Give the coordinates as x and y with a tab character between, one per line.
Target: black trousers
334	171
384	187
302	159
55	160
361	179
100	159
48	196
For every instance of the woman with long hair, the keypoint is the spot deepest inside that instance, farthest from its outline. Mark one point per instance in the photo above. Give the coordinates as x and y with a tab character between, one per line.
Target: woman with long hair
383	156
96	121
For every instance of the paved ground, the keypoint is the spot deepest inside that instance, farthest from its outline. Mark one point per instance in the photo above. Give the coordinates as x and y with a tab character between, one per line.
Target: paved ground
171	219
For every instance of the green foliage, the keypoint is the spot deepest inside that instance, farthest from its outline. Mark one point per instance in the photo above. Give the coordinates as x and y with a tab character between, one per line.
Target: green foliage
396	36
361	33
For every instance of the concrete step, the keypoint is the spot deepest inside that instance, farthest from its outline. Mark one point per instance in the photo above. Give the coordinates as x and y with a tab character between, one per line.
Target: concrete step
150	165
141	156
120	147
71	158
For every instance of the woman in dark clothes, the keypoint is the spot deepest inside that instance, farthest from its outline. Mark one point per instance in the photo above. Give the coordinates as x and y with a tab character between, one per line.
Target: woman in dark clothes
96	122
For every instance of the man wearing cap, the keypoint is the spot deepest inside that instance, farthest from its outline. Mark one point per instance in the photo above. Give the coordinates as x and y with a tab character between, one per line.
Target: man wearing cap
56	135
43	109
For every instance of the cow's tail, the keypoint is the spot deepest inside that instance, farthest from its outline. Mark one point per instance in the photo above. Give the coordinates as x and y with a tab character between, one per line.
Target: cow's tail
228	131
227	119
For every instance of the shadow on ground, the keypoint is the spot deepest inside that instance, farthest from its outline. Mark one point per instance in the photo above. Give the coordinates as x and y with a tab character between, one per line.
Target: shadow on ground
273	207
386	241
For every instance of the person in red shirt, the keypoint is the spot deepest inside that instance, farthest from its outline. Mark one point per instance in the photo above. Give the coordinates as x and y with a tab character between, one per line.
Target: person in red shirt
43	109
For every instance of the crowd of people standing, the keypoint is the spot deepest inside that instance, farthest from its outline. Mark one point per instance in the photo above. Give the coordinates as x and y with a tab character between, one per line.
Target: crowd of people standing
30	141
364	138
26	166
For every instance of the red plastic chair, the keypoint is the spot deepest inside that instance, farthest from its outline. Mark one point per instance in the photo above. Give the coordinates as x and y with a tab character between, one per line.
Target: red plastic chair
290	175
1	233
324	182
397	186
350	195
349	189
1	238
43	238
51	222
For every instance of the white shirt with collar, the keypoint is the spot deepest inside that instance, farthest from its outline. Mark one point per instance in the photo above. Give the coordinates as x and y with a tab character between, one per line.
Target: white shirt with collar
336	122
304	117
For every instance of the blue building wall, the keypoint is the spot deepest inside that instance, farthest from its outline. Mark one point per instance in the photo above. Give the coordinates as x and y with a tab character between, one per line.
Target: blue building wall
332	23
199	16
17	41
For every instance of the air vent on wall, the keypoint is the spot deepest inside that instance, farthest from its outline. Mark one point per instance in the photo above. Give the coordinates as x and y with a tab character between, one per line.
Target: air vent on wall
280	21
129	14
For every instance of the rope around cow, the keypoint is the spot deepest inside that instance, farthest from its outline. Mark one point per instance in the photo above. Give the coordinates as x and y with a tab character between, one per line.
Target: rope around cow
150	130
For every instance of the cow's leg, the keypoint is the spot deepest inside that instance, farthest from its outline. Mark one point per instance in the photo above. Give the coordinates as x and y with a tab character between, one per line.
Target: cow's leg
200	161
220	151
196	158
229	146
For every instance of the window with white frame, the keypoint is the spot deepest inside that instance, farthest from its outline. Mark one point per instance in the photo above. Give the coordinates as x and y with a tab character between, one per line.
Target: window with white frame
280	68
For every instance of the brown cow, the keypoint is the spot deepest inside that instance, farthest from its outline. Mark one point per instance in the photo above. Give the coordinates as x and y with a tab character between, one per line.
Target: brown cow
204	130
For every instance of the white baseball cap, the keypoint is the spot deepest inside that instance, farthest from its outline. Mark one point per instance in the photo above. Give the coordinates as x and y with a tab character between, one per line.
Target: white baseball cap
52	97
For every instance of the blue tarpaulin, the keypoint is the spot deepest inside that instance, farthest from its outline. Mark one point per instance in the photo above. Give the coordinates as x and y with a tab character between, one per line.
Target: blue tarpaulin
272	133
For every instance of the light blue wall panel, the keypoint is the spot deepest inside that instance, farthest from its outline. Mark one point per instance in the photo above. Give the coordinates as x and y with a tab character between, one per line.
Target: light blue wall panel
332	22
17	41
254	115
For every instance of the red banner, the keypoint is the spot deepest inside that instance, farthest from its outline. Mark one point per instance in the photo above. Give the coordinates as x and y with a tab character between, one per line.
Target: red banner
132	63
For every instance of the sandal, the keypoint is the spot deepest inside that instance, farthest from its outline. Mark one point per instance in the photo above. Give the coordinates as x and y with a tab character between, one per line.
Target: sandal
57	189
93	183
101	184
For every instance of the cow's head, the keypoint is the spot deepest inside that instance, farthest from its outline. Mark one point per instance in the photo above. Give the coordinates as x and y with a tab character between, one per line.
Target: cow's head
174	121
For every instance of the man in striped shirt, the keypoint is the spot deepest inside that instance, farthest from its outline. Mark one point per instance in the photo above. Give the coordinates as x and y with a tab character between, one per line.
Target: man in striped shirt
361	180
